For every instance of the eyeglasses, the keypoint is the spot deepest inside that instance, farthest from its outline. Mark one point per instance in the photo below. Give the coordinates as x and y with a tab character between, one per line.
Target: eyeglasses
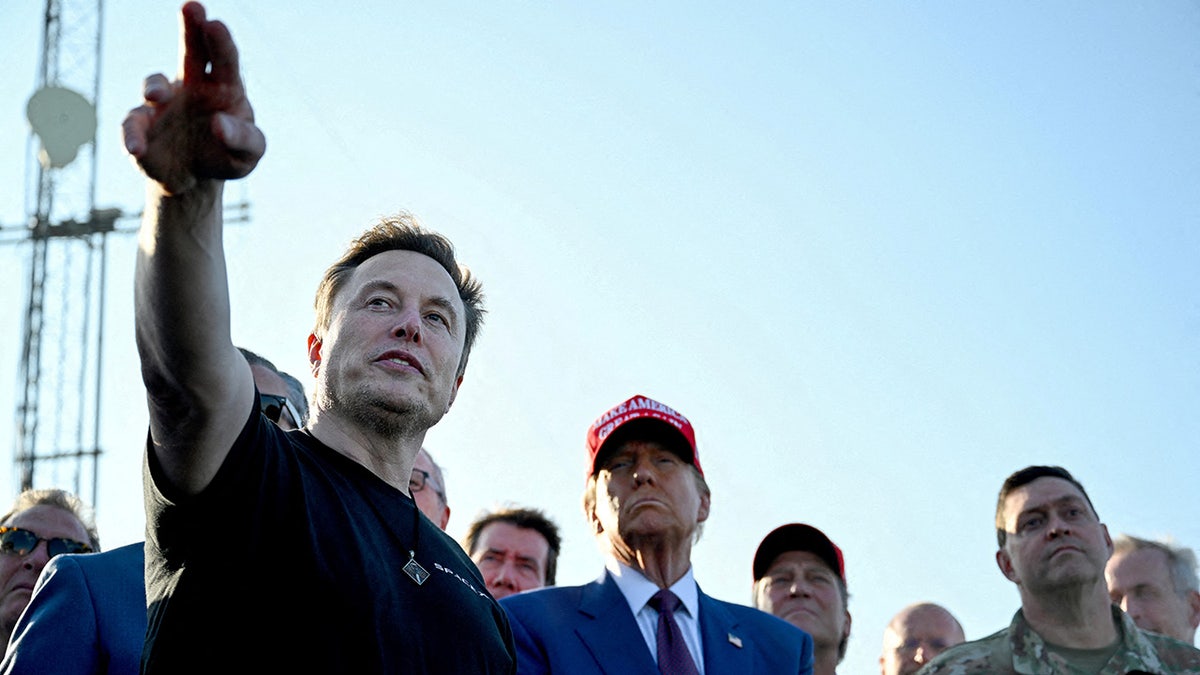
417	482
273	406
16	541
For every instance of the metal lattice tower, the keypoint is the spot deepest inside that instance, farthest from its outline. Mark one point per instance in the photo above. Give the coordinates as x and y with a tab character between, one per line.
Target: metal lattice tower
58	406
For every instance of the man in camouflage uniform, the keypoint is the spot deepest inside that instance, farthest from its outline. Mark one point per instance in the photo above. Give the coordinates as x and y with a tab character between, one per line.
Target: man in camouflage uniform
1054	548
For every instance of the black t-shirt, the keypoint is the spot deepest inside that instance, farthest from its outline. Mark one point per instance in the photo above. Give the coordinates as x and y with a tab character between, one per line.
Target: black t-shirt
291	561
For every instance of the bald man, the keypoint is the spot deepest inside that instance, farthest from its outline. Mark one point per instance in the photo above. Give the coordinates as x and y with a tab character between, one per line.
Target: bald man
915	635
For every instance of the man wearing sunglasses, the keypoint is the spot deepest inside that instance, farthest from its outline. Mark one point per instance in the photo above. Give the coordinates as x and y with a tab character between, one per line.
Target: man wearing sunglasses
331	552
281	397
40	525
87	615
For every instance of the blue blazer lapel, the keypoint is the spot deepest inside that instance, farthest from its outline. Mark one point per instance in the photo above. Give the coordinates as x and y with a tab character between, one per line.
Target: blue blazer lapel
727	649
610	632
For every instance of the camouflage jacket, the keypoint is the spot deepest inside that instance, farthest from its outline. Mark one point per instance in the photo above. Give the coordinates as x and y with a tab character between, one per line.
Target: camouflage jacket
1018	649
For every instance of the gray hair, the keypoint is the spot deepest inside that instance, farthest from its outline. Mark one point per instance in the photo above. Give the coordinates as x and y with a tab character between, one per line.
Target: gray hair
60	499
1181	561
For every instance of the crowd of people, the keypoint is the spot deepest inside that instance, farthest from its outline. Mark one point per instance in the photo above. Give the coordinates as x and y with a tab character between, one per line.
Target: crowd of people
334	513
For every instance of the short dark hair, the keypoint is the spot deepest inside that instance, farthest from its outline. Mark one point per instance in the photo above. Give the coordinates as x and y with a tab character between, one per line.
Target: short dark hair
1024	477
401	232
295	389
525	518
256	359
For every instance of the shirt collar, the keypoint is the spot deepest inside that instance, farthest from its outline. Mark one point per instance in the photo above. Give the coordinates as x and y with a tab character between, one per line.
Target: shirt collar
638	590
1030	652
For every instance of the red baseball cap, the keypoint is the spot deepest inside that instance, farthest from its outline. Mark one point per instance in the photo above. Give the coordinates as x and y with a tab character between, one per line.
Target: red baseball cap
798	537
642	418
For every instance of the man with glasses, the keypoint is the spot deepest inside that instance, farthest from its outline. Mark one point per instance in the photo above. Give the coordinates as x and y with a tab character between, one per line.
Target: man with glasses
800	577
40	525
645	500
428	489
279	399
328	548
296	397
87	615
1053	547
917	634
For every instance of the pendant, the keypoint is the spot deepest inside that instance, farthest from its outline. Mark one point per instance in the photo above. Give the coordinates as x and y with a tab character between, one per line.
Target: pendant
415	572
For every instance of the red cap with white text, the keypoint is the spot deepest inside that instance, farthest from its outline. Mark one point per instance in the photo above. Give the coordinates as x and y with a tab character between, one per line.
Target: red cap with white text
642	418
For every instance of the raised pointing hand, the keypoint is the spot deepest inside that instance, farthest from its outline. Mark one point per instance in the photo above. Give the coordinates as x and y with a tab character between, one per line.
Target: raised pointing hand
201	125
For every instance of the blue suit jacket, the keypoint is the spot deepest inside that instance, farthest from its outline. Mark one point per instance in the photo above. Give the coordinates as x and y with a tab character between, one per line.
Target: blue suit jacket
87	615
585	630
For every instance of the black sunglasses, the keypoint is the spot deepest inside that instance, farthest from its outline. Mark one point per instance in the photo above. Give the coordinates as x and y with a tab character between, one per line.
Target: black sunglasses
273	406
16	541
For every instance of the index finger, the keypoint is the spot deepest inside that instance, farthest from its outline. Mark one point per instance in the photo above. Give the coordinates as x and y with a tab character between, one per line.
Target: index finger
193	46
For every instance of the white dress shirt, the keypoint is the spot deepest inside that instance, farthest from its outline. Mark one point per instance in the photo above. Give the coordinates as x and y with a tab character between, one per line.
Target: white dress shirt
638	590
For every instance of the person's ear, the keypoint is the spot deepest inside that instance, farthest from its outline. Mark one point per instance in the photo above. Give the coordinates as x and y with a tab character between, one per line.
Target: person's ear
705	504
454	392
1193	600
314	353
1004	561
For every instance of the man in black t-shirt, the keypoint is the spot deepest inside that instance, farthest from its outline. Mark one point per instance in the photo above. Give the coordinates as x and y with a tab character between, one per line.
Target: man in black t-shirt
300	551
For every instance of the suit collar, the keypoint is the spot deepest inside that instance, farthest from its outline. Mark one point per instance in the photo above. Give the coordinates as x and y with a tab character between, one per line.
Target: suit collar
727	648
615	641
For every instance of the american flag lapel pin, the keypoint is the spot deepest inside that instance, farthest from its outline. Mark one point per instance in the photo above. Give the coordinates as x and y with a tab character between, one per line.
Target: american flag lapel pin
735	641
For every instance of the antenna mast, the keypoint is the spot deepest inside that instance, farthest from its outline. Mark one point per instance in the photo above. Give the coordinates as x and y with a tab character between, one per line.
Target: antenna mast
58	408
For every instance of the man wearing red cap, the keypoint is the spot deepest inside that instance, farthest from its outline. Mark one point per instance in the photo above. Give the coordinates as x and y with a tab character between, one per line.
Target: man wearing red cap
645	500
799	576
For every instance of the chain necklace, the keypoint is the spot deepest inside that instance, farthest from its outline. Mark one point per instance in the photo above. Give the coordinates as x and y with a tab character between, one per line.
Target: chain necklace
413	568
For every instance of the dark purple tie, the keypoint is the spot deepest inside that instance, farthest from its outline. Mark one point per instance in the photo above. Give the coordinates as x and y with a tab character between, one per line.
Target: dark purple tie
673	655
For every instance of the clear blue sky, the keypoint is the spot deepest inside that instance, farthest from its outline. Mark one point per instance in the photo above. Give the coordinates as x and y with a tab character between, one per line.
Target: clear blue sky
881	254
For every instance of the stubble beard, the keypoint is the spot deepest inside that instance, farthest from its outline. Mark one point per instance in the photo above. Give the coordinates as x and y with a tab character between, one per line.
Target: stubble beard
1071	584
376	413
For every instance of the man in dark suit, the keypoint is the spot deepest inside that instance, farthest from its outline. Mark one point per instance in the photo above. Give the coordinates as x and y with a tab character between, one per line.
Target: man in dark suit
645	499
87	615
